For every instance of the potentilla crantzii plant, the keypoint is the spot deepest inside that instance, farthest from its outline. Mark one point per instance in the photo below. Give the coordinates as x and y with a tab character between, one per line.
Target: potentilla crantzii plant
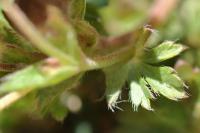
56	53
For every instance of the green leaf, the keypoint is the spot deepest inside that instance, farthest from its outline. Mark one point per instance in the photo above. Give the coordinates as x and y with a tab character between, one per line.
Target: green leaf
12	37
12	54
147	82
138	96
77	9
115	79
8	35
58	111
61	34
163	52
40	75
139	92
166	90
163	74
165	81
47	100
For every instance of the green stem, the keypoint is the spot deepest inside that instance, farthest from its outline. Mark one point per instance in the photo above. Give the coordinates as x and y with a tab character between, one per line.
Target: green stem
29	31
122	54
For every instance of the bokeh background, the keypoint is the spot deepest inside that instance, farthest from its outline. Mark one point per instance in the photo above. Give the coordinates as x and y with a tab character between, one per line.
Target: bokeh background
87	112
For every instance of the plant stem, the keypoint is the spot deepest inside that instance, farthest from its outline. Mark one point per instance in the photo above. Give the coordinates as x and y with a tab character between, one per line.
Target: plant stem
29	31
122	54
10	98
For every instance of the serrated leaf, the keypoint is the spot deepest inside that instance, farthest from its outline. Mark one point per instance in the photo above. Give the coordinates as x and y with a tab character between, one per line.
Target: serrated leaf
169	75
138	97
147	82
42	74
163	52
164	80
115	79
136	94
77	9
139	92
163	74
166	90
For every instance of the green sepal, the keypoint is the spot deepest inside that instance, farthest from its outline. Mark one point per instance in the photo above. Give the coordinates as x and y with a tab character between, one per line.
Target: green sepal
165	81
162	52
116	77
138	96
139	92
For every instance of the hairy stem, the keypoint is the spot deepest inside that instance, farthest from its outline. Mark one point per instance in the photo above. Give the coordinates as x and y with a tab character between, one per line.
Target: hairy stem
21	22
135	44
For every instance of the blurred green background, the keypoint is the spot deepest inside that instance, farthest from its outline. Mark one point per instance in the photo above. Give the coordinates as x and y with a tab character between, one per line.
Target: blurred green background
176	20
